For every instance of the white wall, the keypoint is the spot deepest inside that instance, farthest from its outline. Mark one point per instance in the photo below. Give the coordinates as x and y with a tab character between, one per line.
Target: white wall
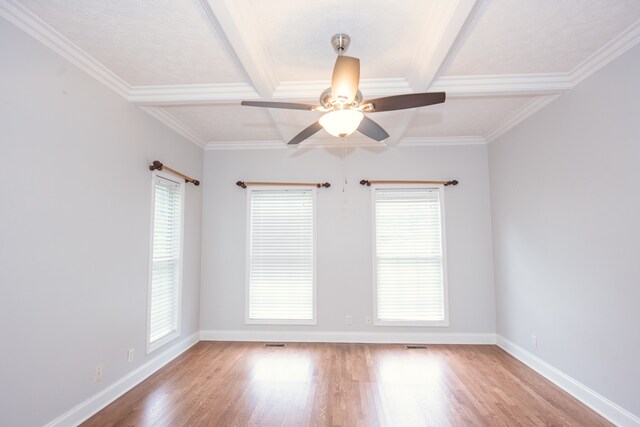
344	253
565	189
74	231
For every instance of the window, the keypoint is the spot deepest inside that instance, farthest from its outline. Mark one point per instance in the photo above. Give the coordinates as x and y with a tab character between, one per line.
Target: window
163	322
409	264
281	256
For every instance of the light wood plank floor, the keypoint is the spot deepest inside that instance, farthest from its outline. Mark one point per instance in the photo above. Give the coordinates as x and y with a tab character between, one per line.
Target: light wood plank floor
238	384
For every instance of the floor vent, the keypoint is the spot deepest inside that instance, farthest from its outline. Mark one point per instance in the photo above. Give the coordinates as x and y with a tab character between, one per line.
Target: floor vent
274	345
416	347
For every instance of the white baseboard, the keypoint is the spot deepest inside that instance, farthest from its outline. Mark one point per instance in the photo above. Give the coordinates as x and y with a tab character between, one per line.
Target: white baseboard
351	337
91	406
603	406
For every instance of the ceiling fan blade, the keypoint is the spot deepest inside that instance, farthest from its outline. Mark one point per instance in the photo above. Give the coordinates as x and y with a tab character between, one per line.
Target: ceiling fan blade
371	129
285	105
345	79
401	102
306	133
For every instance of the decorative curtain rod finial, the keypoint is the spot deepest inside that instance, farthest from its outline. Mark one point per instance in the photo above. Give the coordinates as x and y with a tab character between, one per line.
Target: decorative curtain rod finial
454	182
156	166
241	184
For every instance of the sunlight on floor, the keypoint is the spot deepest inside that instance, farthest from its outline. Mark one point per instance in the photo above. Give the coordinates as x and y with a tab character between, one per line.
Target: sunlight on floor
282	368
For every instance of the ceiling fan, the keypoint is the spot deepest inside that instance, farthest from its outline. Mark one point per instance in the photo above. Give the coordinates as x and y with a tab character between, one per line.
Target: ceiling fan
343	105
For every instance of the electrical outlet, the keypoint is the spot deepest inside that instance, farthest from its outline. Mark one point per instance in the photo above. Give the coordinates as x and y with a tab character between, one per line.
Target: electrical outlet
130	355
368	320
97	374
534	341
349	320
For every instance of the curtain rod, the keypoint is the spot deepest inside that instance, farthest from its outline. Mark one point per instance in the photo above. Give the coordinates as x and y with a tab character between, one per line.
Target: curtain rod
244	184
445	183
159	166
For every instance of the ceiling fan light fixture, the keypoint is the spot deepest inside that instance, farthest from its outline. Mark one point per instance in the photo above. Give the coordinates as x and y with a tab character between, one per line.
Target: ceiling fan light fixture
341	123
343	104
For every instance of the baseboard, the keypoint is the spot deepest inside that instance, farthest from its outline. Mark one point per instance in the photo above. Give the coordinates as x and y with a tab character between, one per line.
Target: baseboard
91	406
603	406
351	337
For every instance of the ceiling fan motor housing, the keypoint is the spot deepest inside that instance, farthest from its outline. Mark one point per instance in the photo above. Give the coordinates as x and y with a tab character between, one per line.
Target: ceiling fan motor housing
328	102
340	43
342	104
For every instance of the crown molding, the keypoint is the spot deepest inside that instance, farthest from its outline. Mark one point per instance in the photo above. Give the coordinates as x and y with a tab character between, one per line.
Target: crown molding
191	94
231	21
31	24
175	124
503	85
269	144
607	53
462	34
334	143
241	42
527	110
441	140
311	89
281	145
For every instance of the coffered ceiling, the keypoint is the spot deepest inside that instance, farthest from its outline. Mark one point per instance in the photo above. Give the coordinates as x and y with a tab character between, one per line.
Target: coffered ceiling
189	63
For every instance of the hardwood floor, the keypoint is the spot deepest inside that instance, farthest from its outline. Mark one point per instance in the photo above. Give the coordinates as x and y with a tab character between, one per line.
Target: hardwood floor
238	384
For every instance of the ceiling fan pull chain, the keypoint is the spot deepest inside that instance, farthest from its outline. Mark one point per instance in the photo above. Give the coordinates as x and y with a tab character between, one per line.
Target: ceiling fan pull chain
344	166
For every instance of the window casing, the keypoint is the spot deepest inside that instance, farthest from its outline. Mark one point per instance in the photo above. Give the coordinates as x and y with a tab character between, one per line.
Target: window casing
165	260
410	275
281	279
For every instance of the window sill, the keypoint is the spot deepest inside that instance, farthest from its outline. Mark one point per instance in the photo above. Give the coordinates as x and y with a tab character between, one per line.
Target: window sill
151	347
312	322
418	323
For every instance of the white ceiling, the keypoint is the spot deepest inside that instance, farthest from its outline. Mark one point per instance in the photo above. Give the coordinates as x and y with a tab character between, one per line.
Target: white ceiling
189	63
539	36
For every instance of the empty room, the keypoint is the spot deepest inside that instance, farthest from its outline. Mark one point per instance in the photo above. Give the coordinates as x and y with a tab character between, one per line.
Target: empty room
320	213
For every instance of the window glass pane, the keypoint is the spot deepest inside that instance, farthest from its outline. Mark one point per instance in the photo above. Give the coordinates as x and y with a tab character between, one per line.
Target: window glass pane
166	262
409	270
281	255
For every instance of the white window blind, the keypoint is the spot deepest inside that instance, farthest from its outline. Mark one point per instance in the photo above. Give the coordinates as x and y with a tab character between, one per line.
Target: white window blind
166	261
281	283
409	255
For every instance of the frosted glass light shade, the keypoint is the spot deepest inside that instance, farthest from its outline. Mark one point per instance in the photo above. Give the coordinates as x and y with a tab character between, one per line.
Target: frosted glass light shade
341	123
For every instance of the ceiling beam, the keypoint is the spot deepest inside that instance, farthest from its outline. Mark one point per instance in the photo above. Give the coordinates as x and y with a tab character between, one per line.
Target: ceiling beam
238	31
402	123
441	34
503	85
454	86
369	87
230	93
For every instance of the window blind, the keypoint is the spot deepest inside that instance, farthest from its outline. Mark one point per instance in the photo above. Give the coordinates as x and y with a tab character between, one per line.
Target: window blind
408	254
166	259
281	255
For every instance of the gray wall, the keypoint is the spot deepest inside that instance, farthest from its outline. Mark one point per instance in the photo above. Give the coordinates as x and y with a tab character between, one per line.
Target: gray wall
74	231
344	252
565	189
